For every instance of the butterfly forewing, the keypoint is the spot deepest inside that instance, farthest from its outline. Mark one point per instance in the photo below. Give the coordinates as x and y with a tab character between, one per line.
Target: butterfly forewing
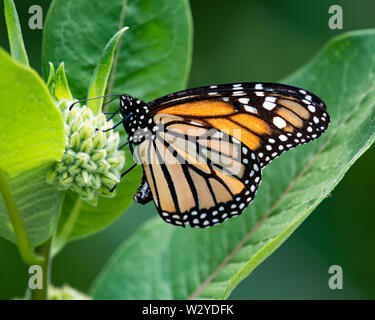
272	118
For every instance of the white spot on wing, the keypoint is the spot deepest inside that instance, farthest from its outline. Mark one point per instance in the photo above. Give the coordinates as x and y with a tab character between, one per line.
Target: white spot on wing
279	122
244	100
269	105
238	93
250	109
311	108
271	99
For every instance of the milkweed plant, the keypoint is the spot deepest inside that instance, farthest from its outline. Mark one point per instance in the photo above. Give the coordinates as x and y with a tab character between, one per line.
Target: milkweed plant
59	159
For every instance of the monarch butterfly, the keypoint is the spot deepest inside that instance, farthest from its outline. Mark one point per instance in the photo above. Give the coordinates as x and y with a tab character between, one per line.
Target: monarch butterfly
200	124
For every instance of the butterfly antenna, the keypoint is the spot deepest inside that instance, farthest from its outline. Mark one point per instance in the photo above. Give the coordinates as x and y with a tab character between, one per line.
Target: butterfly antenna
83	100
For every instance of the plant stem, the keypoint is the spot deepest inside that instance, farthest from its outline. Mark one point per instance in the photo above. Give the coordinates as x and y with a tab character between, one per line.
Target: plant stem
19	230
67	228
45	251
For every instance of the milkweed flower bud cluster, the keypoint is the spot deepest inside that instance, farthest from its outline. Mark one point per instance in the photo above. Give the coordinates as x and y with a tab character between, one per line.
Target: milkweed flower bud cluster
91	164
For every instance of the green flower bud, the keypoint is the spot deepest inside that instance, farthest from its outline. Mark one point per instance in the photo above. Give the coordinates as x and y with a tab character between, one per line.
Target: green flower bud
69	157
73	171
67	132
52	176
110	180
105	192
96	181
100	121
75	141
111	147
61	167
116	162
63	104
71	116
74	187
82	158
107	125
90	166
83	179
99	140
65	180
87	146
76	123
88	193
86	130
103	166
86	113
98	155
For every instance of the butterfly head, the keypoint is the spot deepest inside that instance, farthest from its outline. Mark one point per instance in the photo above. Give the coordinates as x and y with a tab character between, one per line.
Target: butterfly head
137	122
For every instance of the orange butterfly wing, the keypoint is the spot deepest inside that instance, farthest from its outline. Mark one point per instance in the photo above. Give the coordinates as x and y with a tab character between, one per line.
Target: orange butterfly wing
269	120
259	122
202	180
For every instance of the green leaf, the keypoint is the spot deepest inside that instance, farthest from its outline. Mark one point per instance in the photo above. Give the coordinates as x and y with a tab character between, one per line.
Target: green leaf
17	47
61	84
31	139
163	262
153	61
100	77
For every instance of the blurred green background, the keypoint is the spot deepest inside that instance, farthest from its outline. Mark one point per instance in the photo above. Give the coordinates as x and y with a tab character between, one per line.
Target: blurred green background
246	40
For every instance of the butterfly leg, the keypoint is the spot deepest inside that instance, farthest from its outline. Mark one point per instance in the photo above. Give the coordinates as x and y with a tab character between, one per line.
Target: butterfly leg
143	195
113	114
114	127
124	173
128	170
130	146
123	145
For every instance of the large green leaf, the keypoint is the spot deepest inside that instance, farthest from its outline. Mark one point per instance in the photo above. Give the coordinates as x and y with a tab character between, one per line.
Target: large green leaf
154	55
163	262
31	139
153	59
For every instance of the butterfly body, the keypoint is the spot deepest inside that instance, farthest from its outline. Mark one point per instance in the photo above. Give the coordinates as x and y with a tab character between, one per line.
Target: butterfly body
203	149
138	124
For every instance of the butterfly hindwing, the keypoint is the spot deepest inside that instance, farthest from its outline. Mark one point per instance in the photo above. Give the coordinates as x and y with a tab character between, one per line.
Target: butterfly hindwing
198	175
